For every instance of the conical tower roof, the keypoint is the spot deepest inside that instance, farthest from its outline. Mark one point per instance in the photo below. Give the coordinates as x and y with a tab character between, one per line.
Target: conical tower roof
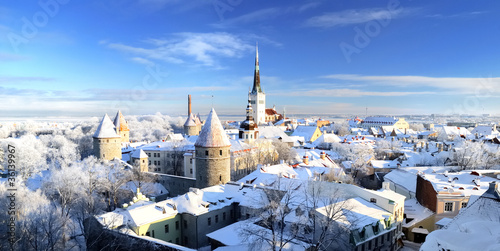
190	121
120	122
106	129
212	134
256	75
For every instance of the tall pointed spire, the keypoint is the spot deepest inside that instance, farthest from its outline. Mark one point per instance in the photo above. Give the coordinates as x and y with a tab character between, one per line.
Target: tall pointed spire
256	76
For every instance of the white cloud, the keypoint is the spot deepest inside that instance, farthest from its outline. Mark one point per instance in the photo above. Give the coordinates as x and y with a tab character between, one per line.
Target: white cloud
462	85
203	48
347	93
251	17
354	16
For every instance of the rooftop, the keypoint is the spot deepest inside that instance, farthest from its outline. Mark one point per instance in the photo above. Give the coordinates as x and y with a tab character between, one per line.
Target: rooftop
212	134
106	129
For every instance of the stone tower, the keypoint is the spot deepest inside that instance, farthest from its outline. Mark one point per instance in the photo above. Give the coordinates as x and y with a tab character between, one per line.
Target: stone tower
212	154
191	127
248	128
257	96
122	127
107	144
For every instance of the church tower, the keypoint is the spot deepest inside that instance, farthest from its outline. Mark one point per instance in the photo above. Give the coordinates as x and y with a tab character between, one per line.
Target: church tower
107	143
212	154
248	128
122	127
257	96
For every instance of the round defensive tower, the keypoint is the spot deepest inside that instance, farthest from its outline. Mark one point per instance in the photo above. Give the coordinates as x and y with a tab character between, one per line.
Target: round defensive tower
212	153
107	143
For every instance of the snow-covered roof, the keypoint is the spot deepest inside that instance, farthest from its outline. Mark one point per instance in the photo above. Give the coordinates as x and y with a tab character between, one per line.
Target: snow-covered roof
212	134
139	154
415	211
476	227
106	129
485	130
463	183
305	131
403	178
190	121
326	138
233	237
384	163
358	213
120	122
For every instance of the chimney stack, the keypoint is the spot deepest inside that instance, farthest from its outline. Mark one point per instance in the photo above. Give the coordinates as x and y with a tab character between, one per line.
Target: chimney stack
306	159
322	155
189	104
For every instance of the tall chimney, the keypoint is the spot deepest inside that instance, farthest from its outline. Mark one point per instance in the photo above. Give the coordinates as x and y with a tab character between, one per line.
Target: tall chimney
189	104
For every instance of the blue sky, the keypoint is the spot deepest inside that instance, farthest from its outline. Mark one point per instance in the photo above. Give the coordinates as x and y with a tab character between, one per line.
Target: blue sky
84	58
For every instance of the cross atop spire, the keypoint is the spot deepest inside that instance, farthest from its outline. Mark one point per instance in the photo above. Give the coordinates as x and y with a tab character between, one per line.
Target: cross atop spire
256	76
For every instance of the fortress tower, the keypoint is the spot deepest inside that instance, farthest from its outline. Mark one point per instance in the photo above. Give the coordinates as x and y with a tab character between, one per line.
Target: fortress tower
107	143
212	154
122	127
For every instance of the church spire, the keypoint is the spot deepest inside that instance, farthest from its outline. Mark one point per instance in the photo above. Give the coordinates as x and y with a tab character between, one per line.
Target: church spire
256	76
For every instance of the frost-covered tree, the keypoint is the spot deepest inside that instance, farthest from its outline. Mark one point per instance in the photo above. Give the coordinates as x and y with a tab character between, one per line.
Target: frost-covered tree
342	128
283	150
39	224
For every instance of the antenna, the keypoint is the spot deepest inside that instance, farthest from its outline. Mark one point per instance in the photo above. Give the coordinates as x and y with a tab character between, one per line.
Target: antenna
212	98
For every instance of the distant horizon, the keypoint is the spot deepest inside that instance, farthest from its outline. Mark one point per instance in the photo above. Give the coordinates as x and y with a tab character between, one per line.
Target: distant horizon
231	117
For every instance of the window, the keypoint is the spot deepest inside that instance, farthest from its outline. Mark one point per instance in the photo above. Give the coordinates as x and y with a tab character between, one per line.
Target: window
143	161
448	206
155	162
373	200
191	171
149	162
149	155
153	233
209	221
248	216
464	204
166	228
148	234
216	219
158	155
176	225
224	216
159	162
220	152
190	161
185	224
